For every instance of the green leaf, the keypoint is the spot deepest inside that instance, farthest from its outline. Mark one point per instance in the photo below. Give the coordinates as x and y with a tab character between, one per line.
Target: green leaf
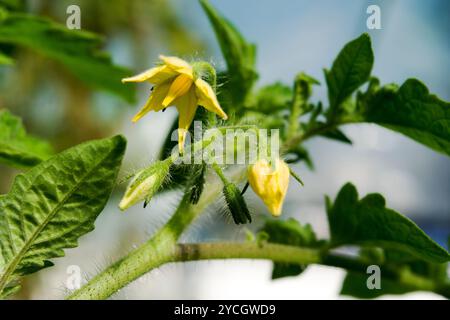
12	4
5	60
289	232
369	222
333	134
238	53
76	50
9	291
16	147
301	154
350	70
355	283
410	110
272	98
303	89
337	135
434	271
53	204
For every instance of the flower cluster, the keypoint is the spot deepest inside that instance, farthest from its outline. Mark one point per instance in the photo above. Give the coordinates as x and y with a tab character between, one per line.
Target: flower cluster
180	84
177	83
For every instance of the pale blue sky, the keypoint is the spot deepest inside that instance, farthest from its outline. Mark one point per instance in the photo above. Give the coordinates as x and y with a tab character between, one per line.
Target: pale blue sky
306	35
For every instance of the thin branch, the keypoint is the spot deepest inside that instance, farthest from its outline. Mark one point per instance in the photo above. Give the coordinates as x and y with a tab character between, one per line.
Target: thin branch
303	256
231	250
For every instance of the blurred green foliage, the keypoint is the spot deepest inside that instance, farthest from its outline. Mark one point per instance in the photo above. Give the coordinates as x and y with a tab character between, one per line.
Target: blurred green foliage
50	61
16	147
49	75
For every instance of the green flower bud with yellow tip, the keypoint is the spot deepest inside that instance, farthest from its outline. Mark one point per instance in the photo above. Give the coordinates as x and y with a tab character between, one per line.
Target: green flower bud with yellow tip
145	184
270	182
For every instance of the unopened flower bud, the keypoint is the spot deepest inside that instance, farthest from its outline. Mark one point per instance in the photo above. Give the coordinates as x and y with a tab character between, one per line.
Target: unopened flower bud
270	183
198	182
145	184
236	204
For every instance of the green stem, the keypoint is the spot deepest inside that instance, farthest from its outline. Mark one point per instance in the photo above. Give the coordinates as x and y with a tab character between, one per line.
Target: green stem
303	256
296	112
230	250
162	248
219	173
159	250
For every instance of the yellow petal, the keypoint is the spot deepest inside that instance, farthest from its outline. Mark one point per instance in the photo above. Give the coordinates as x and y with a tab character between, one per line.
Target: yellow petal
186	106
155	75
275	208
155	101
207	98
270	184
177	64
282	181
180	86
257	176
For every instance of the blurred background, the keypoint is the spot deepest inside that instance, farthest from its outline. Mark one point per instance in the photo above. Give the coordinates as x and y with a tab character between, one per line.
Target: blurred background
291	36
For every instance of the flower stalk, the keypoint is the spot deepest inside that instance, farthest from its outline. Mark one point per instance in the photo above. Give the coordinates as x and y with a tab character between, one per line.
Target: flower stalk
160	249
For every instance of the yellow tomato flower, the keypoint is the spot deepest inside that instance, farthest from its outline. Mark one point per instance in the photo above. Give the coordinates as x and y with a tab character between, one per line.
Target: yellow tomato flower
176	83
270	184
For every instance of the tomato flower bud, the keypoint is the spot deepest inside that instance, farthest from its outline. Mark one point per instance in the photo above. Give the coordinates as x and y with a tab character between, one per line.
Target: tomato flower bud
270	183
145	184
236	204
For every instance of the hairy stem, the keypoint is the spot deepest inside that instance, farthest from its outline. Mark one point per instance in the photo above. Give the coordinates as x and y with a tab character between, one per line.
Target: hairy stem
302	256
230	250
160	249
157	251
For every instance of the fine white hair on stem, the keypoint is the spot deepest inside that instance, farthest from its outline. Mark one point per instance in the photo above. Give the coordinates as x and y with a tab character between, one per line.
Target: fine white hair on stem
132	169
